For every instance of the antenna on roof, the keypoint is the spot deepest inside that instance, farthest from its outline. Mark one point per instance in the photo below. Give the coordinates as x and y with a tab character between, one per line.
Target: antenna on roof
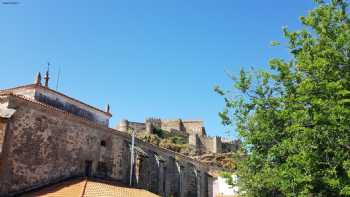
58	77
47	75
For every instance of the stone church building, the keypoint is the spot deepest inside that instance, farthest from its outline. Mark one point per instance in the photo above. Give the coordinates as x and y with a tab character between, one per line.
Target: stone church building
47	137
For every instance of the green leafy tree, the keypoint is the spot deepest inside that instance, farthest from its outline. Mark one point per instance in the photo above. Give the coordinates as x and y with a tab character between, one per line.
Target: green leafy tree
294	121
228	177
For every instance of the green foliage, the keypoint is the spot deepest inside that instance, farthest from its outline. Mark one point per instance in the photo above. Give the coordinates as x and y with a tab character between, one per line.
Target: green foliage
228	177
159	132
295	121
189	150
169	144
169	140
150	138
228	162
177	139
275	43
224	160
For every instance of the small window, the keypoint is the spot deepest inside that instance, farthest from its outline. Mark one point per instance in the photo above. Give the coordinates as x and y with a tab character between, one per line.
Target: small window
103	143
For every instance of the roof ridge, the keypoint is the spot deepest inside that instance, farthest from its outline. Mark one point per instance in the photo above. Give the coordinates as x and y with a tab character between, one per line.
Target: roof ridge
76	100
50	108
84	188
17	87
56	92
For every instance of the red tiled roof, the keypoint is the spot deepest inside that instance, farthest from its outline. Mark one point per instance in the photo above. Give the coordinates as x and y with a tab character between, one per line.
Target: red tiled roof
89	188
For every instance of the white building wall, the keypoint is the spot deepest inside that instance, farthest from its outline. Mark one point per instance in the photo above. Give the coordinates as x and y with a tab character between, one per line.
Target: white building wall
221	188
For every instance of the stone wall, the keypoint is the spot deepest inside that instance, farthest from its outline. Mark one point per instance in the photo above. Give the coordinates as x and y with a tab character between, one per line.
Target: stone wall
156	122
172	125
192	129
2	133
207	144
137	126
230	146
217	145
126	125
45	145
194	126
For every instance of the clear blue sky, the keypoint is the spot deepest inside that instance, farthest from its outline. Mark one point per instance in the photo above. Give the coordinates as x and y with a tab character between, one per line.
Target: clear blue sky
156	58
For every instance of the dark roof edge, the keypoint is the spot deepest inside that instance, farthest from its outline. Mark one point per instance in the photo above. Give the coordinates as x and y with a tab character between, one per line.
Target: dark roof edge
54	91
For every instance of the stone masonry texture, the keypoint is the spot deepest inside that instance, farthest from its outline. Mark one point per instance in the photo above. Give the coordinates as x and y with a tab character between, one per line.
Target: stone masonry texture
41	145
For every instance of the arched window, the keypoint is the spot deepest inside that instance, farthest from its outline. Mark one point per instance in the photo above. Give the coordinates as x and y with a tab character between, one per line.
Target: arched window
103	143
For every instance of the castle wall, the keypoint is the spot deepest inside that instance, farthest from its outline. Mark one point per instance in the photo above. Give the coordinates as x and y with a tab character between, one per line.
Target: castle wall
137	126
45	145
193	126
126	125
217	145
171	125
193	140
230	146
207	144
194	130
211	144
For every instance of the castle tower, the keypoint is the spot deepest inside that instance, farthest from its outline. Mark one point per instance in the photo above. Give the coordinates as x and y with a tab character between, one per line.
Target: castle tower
193	139
123	125
149	127
217	145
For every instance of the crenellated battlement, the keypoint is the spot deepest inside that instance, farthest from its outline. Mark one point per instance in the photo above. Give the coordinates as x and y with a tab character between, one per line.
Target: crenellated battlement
193	130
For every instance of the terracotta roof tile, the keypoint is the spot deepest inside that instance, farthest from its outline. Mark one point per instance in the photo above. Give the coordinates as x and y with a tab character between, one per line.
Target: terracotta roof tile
72	188
89	188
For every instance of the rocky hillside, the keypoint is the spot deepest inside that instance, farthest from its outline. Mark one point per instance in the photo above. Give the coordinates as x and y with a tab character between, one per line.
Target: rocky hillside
179	143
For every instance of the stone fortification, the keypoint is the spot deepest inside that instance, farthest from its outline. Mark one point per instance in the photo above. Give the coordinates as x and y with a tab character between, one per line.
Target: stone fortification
193	130
177	125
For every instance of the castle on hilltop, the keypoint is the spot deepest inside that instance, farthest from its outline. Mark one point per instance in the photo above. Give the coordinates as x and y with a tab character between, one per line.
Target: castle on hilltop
192	130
